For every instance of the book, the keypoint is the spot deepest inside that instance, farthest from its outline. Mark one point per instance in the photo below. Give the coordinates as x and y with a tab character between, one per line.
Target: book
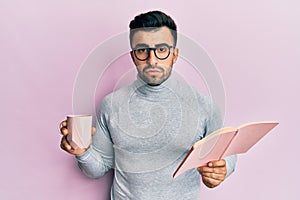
224	142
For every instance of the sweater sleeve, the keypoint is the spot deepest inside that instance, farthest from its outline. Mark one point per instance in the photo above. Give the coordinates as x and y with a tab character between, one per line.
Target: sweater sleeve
214	123
98	158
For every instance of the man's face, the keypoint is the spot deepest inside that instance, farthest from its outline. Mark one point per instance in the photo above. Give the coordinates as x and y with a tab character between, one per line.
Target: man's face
153	70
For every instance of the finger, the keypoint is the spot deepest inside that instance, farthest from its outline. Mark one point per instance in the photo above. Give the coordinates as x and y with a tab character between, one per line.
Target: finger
65	144
215	176
217	163
63	124
64	131
200	169
217	170
93	130
209	182
62	127
205	169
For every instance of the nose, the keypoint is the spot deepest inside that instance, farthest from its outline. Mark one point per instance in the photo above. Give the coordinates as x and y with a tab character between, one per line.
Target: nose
152	60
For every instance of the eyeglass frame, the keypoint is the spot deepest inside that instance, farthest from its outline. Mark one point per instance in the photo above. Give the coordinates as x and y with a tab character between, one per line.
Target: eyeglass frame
154	50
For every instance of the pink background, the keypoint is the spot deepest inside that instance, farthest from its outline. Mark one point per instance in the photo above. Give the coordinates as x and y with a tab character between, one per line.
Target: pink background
255	45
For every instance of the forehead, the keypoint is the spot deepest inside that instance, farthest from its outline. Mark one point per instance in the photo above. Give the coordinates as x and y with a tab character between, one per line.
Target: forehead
152	37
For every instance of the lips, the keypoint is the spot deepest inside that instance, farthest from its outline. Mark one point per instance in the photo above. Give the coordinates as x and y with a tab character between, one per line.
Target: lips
153	71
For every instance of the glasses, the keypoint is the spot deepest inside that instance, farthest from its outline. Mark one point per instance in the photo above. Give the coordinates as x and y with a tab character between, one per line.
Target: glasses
161	51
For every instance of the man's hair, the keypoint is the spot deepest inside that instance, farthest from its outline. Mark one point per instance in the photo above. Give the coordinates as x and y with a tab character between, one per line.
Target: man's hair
152	20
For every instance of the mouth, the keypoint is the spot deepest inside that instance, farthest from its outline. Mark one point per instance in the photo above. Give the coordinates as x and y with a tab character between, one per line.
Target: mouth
153	71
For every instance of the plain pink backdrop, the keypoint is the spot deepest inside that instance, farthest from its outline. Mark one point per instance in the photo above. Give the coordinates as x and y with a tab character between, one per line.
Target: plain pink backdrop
255	45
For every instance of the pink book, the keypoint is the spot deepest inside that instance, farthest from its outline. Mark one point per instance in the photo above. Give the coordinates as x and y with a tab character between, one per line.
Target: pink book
224	142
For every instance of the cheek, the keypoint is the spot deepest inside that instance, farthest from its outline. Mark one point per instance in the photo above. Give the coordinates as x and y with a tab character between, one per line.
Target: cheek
140	67
168	64
165	63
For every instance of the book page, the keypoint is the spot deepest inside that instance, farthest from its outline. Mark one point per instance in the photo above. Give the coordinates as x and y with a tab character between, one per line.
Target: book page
248	135
208	149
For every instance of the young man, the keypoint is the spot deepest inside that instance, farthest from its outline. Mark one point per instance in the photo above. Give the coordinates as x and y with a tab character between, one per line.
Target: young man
144	130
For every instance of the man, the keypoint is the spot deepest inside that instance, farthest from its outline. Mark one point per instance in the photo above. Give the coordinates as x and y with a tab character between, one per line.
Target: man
144	130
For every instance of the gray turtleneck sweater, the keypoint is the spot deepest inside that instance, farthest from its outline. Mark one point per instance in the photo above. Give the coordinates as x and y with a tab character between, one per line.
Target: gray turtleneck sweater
144	132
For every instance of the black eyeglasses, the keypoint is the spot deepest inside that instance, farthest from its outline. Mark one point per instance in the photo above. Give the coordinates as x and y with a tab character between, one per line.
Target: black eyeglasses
161	51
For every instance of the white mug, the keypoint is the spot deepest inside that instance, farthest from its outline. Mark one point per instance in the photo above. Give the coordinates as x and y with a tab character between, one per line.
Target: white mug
79	130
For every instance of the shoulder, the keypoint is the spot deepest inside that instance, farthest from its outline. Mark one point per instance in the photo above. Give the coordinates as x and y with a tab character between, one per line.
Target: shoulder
116	97
189	94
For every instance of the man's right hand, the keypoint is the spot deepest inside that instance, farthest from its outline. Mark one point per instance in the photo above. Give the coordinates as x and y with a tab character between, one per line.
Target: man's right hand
65	145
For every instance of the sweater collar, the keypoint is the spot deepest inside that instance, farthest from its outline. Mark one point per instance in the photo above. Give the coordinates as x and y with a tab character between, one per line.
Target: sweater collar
158	91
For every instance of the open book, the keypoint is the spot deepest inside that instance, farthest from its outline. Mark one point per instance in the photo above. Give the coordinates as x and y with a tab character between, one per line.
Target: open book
224	142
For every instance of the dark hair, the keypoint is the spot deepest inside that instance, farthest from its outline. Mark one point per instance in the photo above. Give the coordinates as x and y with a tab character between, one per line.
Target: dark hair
152	20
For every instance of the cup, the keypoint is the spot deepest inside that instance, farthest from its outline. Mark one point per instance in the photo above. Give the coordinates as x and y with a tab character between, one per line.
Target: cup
79	130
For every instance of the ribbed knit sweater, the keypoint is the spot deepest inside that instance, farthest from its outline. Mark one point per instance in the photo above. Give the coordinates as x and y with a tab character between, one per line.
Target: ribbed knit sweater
144	132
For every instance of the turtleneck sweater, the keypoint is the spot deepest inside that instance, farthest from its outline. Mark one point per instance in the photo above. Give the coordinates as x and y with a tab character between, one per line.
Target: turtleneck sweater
144	132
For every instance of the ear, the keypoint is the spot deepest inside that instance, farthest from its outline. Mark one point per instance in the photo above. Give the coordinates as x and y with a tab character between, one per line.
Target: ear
132	57
175	55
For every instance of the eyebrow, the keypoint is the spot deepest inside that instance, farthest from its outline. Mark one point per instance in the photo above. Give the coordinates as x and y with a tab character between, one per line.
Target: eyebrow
147	46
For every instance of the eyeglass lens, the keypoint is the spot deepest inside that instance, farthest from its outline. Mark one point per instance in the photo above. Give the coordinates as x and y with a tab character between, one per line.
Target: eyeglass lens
161	52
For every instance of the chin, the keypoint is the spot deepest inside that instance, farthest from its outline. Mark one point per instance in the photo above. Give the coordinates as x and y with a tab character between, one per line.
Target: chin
154	80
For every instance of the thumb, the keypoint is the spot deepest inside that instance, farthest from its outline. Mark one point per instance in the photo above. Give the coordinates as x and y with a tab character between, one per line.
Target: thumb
93	130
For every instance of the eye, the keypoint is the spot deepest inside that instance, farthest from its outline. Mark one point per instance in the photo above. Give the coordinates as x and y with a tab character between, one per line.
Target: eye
162	49
141	50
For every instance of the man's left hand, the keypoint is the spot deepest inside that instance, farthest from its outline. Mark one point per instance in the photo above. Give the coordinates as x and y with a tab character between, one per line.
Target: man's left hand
214	173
